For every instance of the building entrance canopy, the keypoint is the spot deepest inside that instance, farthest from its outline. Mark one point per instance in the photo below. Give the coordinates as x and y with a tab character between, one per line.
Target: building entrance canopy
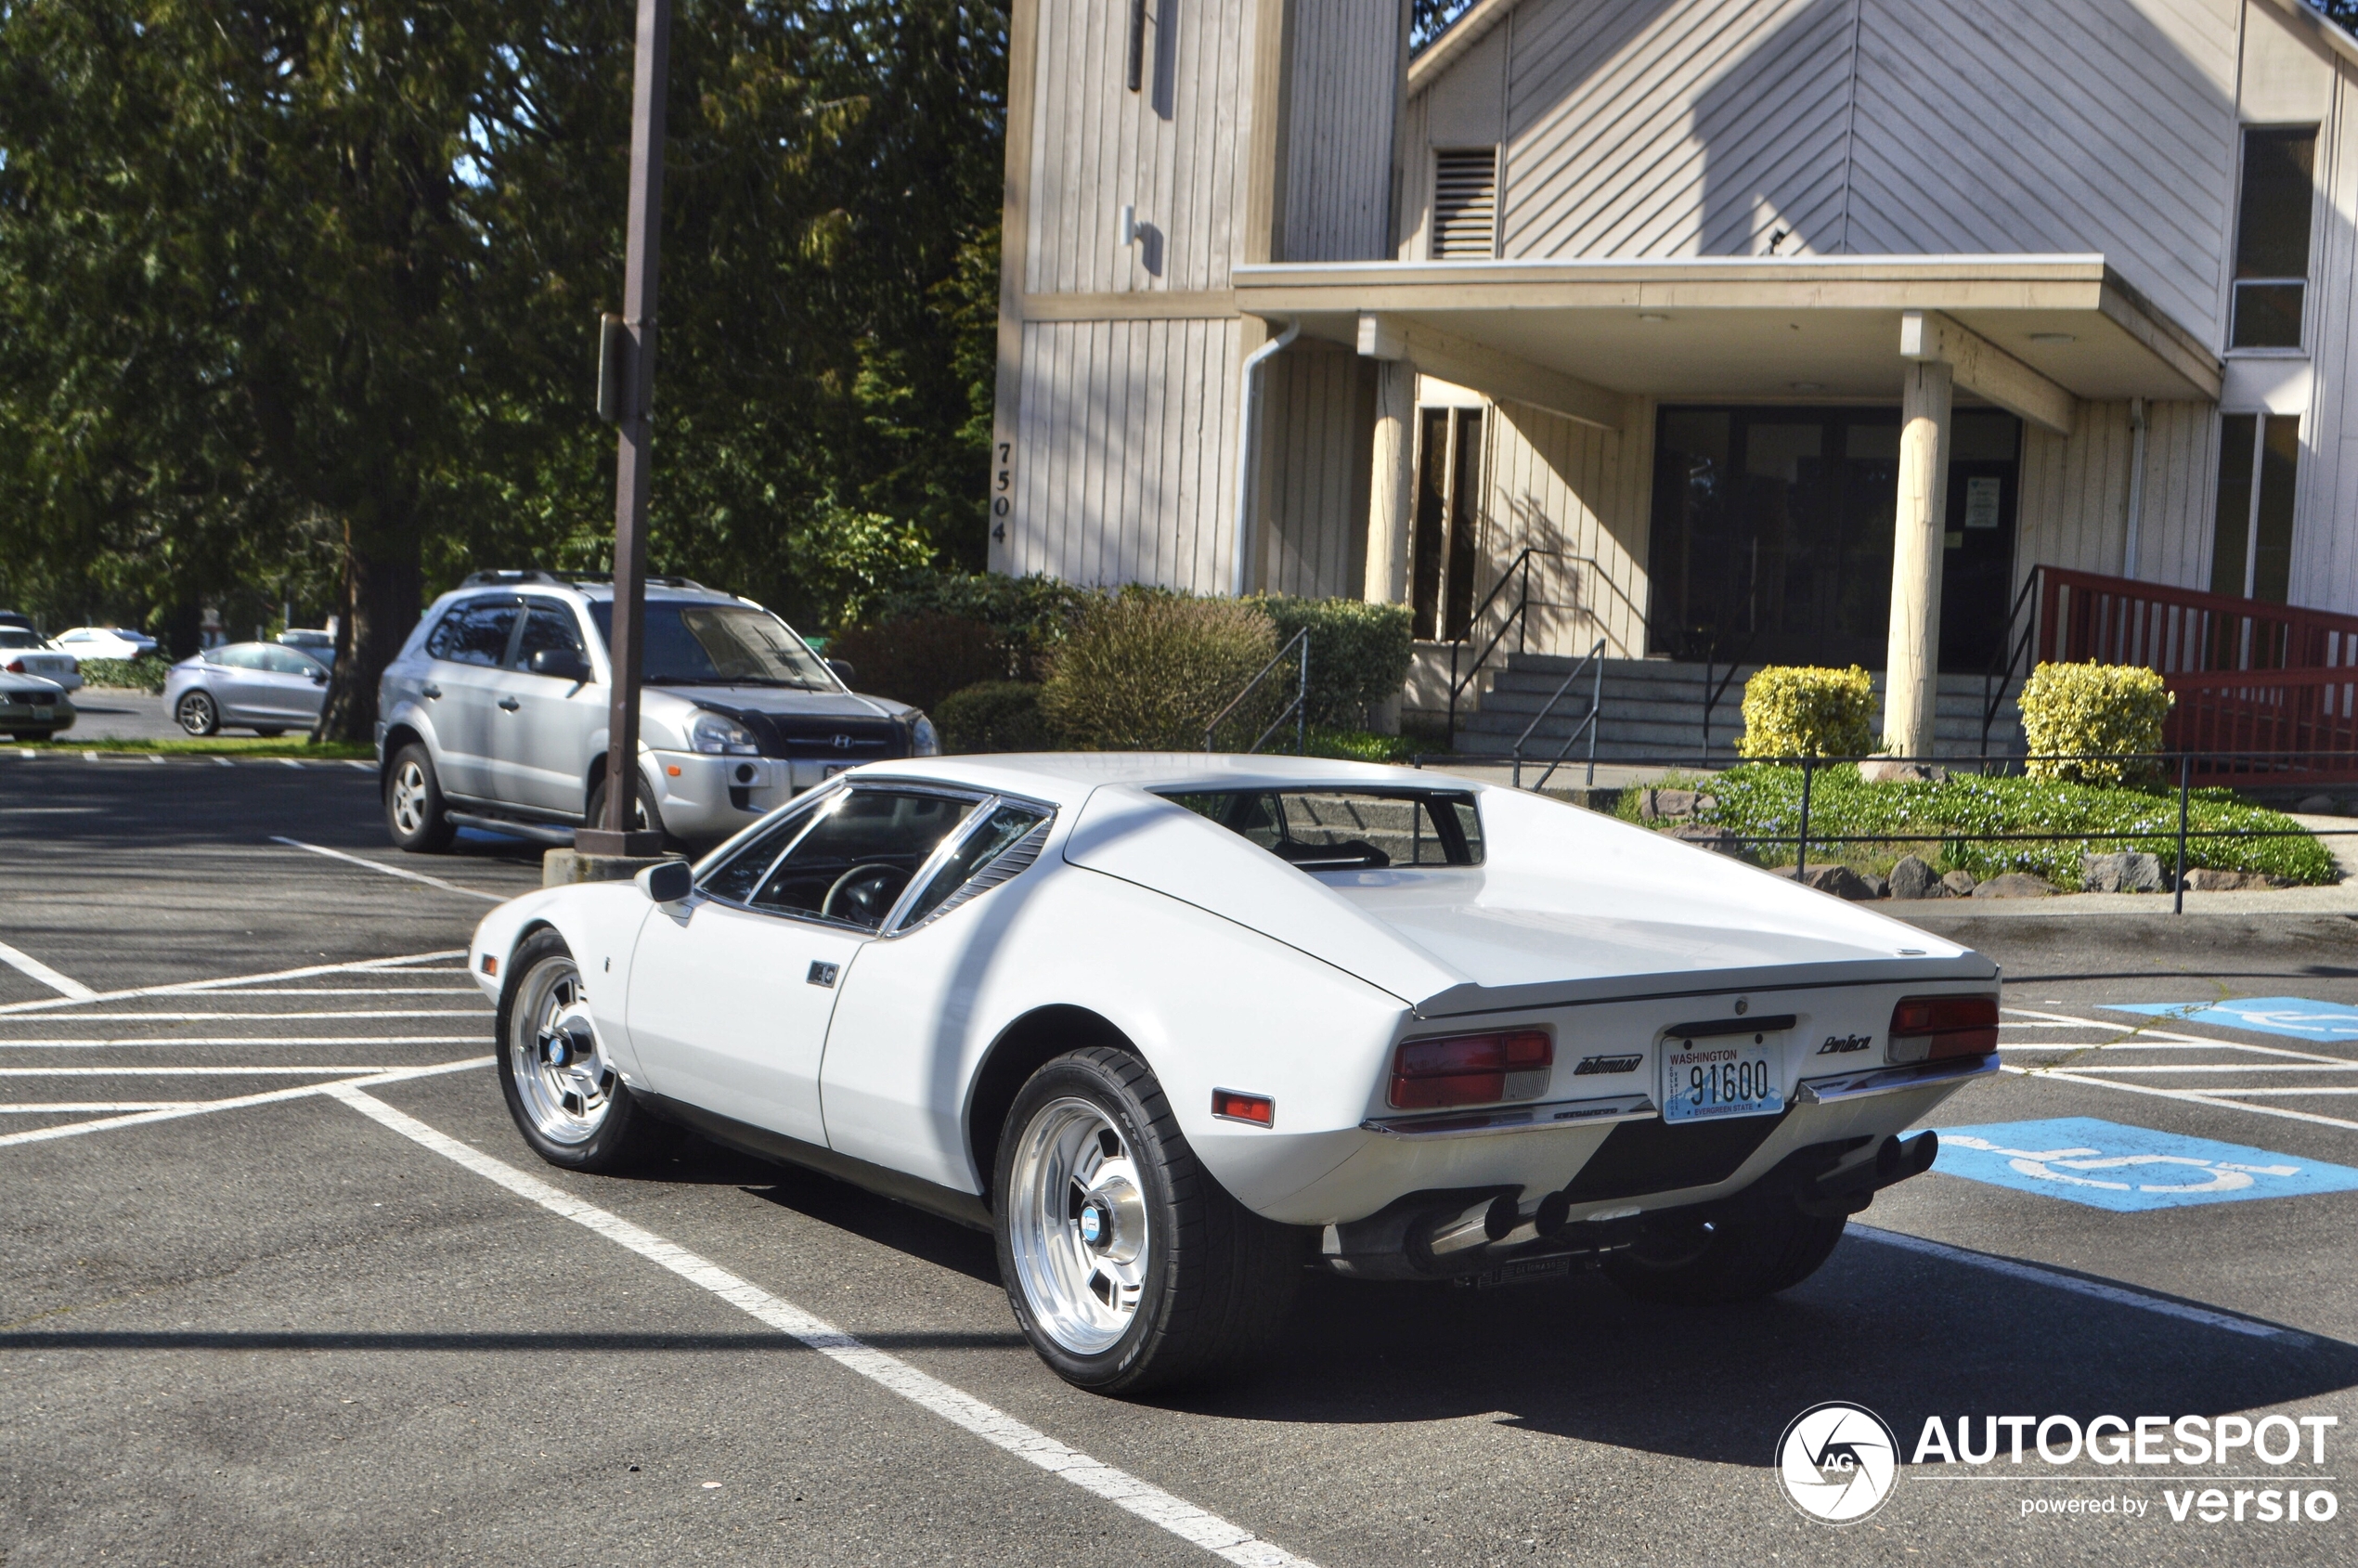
1580	337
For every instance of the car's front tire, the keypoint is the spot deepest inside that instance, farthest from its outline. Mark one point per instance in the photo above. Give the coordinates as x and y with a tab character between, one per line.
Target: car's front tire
567	1099
414	811
197	713
1754	1246
1128	1266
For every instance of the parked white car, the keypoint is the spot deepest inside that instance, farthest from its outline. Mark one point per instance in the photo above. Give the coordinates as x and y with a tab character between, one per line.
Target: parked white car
23	652
33	708
1178	1028
104	643
495	712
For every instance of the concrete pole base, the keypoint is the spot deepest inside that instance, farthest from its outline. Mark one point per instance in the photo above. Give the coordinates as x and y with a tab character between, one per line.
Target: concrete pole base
561	868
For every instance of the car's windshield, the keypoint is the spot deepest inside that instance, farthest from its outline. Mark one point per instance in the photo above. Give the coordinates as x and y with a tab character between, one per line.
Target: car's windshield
721	645
17	636
1348	829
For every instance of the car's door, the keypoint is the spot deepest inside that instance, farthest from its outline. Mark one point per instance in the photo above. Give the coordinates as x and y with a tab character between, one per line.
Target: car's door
234	675
467	645
731	995
288	687
540	734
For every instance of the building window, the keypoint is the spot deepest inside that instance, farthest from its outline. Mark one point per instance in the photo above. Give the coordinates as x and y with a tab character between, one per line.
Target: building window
1465	204
2271	238
2251	546
1448	510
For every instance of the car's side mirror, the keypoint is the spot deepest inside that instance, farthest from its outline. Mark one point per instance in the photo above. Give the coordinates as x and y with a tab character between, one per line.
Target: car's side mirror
565	664
318	677
666	882
843	672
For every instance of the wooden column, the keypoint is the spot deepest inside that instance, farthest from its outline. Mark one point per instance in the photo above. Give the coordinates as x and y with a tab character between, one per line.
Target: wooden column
1392	483
1912	665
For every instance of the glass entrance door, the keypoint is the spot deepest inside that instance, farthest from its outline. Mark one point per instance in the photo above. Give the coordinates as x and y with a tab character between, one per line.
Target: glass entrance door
1771	539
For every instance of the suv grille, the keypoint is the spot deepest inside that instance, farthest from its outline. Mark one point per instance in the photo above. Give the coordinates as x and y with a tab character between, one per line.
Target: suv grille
819	736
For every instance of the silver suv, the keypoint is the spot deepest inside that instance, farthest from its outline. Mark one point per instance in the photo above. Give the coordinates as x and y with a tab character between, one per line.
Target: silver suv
494	713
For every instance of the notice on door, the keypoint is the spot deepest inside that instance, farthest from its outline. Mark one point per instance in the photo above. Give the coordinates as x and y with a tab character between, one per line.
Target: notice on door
1981	503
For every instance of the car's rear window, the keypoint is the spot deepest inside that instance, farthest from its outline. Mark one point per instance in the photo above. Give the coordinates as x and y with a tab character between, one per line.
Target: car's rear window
1348	829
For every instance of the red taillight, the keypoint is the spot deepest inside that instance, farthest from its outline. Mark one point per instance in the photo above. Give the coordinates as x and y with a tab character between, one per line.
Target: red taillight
1259	1109
16	667
1929	1028
1471	1069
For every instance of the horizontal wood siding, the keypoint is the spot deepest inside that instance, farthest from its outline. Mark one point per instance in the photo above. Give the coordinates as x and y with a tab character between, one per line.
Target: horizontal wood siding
1559	486
2073	509
1173	150
1346	70
1124	468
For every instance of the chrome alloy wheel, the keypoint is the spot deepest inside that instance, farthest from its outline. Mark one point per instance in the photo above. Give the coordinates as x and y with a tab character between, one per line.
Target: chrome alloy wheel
562	1075
409	798
1077	1225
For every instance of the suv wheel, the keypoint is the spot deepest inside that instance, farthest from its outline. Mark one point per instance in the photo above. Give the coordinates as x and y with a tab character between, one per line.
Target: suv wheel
414	814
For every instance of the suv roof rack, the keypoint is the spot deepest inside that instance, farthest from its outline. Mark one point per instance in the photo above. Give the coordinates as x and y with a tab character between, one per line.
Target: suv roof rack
536	574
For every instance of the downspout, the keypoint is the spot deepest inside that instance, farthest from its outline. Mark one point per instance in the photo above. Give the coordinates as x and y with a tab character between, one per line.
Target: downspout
1248	406
2136	484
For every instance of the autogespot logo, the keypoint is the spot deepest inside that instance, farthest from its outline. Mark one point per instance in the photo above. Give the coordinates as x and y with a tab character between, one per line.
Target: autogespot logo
1838	1462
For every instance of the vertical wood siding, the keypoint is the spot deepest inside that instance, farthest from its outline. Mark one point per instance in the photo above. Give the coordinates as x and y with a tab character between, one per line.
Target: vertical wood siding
2073	508
1346	69
1555	485
1315	410
1172	148
2325	528
1125	471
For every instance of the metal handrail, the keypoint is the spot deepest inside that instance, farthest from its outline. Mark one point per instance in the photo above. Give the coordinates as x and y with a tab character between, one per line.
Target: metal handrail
1519	618
1713	693
1594	661
1298	709
2012	651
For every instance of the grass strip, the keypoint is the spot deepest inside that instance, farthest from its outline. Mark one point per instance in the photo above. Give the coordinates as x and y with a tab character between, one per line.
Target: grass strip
214	746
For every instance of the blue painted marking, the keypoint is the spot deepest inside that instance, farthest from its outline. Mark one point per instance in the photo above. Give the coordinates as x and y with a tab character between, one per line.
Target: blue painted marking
2295	1016
2106	1165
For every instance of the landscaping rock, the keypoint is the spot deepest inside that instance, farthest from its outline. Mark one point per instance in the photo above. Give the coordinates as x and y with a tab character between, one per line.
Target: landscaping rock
2320	806
1912	878
1718	840
1842	882
1875	771
2203	880
2128	872
1657	804
1959	884
2014	885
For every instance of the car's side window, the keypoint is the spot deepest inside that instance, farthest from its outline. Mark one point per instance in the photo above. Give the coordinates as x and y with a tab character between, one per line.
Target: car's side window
473	631
860	854
286	661
986	857
241	655
737	877
546	629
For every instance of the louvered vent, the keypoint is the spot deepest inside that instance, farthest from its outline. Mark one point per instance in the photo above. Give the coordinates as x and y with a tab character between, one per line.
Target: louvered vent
1465	204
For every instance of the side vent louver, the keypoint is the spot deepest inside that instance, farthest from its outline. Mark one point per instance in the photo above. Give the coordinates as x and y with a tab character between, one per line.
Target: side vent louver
1465	204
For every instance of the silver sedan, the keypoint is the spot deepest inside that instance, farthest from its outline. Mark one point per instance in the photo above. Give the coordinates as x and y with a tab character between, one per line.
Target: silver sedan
258	686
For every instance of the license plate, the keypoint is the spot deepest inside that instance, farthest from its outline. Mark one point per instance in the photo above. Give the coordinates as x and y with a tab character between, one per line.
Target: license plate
1706	1083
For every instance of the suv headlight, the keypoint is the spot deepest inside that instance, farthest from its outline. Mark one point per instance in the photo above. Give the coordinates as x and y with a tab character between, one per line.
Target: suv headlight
924	739
718	735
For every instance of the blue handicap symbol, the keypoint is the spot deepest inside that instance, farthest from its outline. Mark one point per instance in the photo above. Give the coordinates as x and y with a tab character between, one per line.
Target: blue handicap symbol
2295	1016
2106	1165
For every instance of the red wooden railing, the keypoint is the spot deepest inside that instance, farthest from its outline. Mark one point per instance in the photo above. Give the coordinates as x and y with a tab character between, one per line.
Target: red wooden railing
2275	683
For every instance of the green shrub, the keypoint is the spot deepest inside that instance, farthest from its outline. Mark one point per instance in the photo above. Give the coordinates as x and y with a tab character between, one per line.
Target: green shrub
1801	710
2110	709
994	716
1029	615
127	675
1359	653
1757	800
1356	745
1147	671
922	659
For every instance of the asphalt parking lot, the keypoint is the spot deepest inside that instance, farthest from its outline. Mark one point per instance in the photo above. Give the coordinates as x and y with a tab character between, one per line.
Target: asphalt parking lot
279	1282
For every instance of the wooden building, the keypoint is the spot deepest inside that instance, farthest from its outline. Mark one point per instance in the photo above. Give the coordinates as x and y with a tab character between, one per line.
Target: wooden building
1784	329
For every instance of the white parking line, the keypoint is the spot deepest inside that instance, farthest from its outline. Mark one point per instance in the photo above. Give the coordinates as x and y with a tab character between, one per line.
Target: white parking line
223	762
393	870
116	1044
181	988
312	1071
2188	1097
2118	1295
258	1017
200	1107
72	990
86	1108
1151	1503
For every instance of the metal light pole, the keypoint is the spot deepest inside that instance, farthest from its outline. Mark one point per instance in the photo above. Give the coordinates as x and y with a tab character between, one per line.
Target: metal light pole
614	835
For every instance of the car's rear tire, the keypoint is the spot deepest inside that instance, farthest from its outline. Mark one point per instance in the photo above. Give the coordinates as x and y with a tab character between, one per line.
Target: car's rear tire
567	1099
1754	1246
197	713
414	811
1129	1268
